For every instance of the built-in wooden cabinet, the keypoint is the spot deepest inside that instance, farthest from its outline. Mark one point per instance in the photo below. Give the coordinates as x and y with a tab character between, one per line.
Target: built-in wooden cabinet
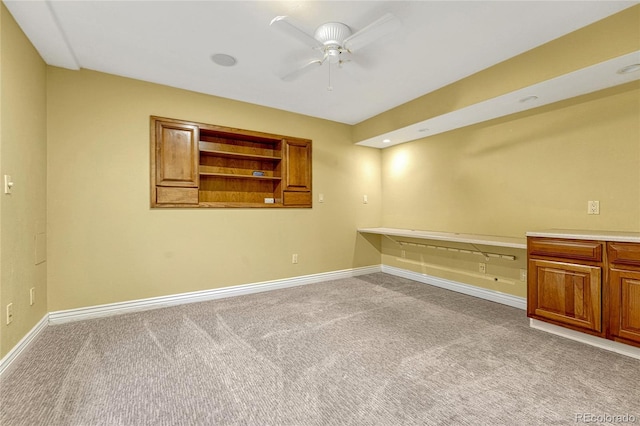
204	165
297	186
592	286
624	291
175	162
565	282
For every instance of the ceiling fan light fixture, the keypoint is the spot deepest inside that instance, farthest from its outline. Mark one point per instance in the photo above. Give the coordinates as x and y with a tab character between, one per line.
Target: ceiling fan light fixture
332	33
333	54
332	39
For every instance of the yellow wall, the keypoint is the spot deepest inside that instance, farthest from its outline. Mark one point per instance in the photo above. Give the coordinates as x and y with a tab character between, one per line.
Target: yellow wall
23	156
106	244
526	172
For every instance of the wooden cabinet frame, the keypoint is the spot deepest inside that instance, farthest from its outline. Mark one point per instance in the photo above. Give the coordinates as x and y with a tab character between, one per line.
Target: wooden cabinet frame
205	165
587	286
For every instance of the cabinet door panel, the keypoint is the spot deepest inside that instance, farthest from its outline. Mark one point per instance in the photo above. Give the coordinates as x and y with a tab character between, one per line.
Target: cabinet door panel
566	293
176	154
298	161
625	304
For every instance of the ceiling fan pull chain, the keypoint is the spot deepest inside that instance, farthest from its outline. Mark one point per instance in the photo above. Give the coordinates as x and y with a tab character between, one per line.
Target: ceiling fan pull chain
330	87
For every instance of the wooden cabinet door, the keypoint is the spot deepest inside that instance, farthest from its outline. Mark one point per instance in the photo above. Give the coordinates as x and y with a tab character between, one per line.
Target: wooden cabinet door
566	293
298	165
624	304
176	146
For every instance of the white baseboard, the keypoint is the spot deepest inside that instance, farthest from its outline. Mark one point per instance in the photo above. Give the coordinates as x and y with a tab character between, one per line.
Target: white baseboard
516	302
60	317
23	344
79	314
100	311
482	293
588	339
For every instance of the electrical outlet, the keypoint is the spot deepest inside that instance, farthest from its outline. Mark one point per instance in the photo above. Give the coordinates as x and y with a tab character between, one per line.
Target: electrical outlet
294	258
9	313
32	296
403	254
593	207
523	274
482	267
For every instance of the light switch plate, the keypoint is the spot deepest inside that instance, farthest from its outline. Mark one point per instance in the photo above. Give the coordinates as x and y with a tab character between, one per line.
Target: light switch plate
8	184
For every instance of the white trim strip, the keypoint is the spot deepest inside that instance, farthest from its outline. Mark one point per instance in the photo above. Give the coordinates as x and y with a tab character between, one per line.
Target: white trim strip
482	293
609	345
100	311
23	344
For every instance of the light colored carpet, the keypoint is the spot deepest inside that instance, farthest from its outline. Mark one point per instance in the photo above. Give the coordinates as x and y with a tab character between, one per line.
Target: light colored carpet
372	350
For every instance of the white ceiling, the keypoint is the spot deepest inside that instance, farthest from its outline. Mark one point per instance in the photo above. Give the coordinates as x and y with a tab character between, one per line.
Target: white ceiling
171	43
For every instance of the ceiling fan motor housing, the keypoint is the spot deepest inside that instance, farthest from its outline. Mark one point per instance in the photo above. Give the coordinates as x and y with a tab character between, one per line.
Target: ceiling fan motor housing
332	36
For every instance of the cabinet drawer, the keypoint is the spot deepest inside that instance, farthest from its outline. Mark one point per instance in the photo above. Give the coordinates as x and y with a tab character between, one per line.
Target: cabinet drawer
567	249
294	198
166	195
624	254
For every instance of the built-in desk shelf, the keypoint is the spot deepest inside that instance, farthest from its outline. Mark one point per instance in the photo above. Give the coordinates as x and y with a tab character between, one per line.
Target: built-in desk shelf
472	239
485	240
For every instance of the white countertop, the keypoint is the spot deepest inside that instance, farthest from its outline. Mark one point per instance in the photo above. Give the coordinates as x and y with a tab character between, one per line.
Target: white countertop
582	234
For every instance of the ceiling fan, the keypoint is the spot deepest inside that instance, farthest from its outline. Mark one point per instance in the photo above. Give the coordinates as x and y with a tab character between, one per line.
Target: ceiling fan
333	39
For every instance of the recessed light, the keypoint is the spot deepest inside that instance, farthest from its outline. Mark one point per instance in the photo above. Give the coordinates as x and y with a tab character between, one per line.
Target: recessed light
629	69
224	60
528	99
386	140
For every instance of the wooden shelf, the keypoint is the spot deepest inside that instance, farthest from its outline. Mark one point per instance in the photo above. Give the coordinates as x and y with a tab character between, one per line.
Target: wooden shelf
485	240
238	155
222	204
235	176
204	165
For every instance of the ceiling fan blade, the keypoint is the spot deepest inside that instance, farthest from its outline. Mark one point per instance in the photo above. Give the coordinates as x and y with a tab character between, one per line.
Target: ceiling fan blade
381	27
304	69
283	23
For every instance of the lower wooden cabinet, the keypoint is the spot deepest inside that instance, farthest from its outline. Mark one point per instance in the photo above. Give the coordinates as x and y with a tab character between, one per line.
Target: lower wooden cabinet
624	287
588	286
624	292
566	293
